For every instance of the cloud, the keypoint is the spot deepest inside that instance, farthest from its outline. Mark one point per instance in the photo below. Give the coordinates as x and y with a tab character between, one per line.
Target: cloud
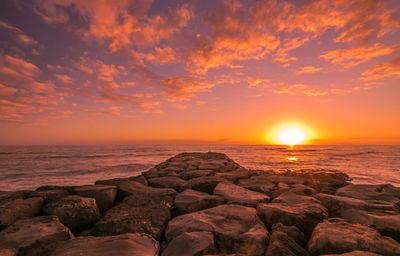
182	88
383	70
357	55
308	70
18	34
66	79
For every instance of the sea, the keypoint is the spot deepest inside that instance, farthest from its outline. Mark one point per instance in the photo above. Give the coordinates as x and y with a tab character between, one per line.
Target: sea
28	167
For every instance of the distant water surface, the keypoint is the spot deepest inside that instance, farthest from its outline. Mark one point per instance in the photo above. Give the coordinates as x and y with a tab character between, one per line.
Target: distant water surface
28	167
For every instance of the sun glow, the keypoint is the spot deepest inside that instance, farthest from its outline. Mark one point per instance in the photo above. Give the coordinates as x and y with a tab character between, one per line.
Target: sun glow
291	134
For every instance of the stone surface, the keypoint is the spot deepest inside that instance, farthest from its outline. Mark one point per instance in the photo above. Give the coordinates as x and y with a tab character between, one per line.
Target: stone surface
121	245
104	194
292	231
235	175
236	228
75	212
238	195
204	184
167	182
192	200
146	210
354	253
139	178
337	204
50	195
190	243
282	245
339	236
385	192
156	173
261	183
11	211
187	175
36	236
291	209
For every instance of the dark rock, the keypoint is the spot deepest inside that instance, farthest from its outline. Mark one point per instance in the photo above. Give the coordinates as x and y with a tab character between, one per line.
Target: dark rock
238	195
146	210
235	175
75	212
36	236
11	211
156	173
261	183
204	184
302	190
191	201
187	175
70	189
292	231
104	194
121	245
385	192
354	253
339	236
50	195
337	204
282	245
236	228
291	209
139	178
167	182
190	243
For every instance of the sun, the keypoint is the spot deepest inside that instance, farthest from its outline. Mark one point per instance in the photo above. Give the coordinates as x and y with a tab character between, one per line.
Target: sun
291	136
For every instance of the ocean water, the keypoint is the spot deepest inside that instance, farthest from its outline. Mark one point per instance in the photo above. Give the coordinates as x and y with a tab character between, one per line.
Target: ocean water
28	167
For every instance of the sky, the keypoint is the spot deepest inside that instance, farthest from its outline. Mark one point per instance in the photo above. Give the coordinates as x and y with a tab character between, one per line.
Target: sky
121	71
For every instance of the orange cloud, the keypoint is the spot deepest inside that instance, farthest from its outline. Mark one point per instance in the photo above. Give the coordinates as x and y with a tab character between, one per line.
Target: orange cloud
387	69
182	88
308	70
64	78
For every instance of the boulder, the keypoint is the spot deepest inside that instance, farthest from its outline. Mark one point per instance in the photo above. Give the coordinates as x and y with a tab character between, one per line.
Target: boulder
104	194
302	190
69	189
204	184
282	245
237	195
121	245
187	175
156	173
354	253
36	236
385	192
139	178
337	204
236	228
75	212
235	175
260	184
50	195
192	200
190	243
339	236
387	224
11	211
167	182
304	212
292	231
144	211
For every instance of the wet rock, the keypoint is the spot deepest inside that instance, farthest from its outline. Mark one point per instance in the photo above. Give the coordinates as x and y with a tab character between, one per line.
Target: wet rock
292	231
36	236
121	245
282	245
126	188
50	195
386	224
190	243
385	192
339	236
104	194
236	228
75	212
187	175
191	201
354	253
304	212
237	195
261	184
337	204
144	211
204	184
11	211
167	182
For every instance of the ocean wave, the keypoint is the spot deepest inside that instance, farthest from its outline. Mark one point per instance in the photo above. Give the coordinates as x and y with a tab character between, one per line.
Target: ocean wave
358	153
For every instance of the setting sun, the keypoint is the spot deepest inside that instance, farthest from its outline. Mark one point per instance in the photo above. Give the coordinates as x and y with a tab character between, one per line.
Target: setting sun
291	136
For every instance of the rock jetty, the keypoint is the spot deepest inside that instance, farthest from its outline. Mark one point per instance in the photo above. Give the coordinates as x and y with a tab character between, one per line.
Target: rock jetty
204	204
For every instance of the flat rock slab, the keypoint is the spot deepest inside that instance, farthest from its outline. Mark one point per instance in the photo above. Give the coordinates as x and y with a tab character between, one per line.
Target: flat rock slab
236	228
190	243
49	195
385	192
204	184
145	211
261	183
339	236
11	211
192	201
238	195
104	194
187	175
121	245
167	182
37	236
337	204
304	212
75	212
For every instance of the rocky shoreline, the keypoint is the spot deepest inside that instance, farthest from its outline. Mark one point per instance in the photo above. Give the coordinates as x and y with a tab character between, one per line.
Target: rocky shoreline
204	204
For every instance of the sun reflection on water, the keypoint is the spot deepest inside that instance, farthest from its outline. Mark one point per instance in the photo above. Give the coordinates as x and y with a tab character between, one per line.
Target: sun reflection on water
292	158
